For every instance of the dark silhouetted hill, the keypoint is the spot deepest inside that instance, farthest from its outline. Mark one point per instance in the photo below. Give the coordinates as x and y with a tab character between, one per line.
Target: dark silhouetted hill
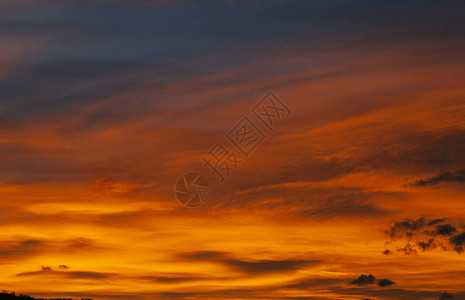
12	296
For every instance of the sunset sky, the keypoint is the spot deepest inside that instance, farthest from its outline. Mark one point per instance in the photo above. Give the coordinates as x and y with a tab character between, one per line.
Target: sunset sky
105	104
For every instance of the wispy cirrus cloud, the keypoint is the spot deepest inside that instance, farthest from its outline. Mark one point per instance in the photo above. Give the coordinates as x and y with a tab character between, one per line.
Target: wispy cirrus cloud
249	266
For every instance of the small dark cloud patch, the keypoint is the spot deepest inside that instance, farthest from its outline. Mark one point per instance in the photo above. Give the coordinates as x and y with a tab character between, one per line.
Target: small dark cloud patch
457	176
408	250
364	280
46	268
387	252
425	234
385	282
446	229
63	267
409	226
426	246
458	242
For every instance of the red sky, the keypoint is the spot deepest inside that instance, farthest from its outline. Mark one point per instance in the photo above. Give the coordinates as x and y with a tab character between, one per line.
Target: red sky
105	105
